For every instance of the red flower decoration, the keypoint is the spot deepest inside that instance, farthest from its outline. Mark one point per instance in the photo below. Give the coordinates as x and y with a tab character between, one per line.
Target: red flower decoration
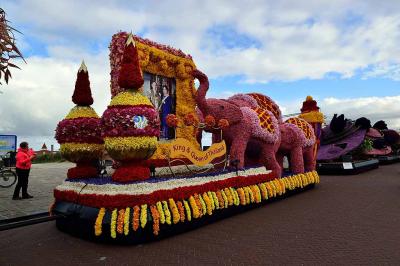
209	121
172	120
189	119
223	123
82	94
82	172
130	76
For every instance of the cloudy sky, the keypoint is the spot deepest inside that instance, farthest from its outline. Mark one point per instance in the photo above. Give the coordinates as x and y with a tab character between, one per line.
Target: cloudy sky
344	53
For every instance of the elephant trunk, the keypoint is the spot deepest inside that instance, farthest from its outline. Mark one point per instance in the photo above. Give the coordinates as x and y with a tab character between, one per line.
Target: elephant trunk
202	90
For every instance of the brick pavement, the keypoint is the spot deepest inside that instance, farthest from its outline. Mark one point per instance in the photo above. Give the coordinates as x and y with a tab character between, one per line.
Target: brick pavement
42	180
346	220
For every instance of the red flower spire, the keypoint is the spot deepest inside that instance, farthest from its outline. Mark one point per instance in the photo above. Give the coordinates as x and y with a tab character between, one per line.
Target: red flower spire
82	95
130	75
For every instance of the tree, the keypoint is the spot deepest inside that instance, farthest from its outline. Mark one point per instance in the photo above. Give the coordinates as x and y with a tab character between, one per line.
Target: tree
8	49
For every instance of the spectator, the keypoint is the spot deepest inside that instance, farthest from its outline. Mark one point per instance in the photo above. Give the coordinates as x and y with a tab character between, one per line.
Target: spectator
23	167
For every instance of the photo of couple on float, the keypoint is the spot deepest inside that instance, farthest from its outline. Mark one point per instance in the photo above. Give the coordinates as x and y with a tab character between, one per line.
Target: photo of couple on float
161	92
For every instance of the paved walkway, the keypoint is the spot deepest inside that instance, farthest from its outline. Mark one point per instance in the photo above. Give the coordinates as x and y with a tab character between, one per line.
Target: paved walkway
42	180
350	220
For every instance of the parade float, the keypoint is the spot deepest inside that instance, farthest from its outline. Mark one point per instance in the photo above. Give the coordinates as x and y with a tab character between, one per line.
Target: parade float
352	147
164	182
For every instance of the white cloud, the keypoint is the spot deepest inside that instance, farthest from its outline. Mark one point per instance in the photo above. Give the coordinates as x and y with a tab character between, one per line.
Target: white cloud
40	94
373	108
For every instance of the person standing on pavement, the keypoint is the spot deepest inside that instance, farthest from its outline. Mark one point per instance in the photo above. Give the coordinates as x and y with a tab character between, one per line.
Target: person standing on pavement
23	166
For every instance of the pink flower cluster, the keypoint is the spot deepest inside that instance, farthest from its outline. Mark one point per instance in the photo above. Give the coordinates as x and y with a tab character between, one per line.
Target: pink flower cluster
79	130
119	122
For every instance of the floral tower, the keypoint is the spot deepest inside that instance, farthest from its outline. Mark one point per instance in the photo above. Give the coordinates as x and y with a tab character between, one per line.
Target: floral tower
130	123
310	112
79	134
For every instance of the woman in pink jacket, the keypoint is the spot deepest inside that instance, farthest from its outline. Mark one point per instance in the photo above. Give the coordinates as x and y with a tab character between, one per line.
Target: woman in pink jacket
23	166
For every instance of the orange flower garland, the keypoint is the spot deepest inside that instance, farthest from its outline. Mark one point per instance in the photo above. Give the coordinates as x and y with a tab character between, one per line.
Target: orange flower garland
120	223
156	219
242	196
99	222
136	218
220	199
194	206
208	203
181	210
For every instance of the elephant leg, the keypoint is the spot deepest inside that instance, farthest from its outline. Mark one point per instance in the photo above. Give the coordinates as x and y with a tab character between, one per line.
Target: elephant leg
279	159
309	160
296	160
269	160
238	149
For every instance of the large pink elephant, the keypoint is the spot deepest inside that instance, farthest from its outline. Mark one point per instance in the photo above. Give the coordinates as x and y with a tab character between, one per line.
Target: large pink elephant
297	136
245	126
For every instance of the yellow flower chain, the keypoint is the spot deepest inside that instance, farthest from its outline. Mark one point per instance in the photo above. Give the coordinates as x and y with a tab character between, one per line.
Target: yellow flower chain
113	223
203	205
166	212
174	209
161	212
99	222
187	209
126	220
195	209
208	203
143	215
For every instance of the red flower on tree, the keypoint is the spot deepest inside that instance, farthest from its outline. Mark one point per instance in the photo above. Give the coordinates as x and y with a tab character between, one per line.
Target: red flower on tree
82	94
130	76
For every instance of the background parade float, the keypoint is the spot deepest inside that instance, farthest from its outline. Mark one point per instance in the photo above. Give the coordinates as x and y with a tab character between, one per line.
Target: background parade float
164	183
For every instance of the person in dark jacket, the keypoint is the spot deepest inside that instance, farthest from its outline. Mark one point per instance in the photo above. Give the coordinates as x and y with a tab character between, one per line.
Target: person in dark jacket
23	166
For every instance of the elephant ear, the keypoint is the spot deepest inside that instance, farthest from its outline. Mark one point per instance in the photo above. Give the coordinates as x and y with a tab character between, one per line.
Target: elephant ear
230	112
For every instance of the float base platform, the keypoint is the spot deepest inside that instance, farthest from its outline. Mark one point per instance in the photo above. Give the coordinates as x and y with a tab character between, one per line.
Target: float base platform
389	159
346	168
102	210
79	221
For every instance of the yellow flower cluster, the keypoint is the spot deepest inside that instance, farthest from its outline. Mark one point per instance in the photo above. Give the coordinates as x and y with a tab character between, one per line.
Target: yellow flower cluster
76	151
130	98
198	205
313	117
81	111
123	148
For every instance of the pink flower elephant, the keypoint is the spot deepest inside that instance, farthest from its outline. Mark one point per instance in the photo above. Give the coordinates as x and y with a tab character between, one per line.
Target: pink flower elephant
248	124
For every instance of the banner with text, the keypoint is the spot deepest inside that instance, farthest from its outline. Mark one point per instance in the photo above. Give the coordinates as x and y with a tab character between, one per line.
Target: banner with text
184	148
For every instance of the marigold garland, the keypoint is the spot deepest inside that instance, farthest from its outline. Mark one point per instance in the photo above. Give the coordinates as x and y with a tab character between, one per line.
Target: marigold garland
126	220
203	205
199	204
208	203
156	219
215	198
99	222
120	222
194	207
143	215
113	223
225	199
187	209
210	196
175	212
220	199
167	213
160	212
136	218
181	210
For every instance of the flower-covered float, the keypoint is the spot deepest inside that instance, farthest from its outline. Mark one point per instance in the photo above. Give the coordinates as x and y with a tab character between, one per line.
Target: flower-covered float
351	147
165	183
